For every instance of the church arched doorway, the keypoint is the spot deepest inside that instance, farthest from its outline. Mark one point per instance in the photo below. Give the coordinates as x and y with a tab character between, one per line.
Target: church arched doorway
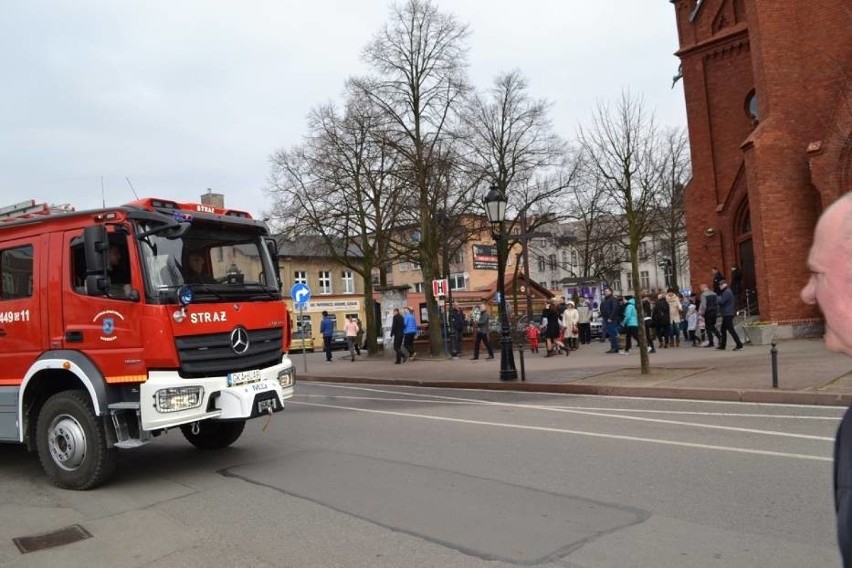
743	281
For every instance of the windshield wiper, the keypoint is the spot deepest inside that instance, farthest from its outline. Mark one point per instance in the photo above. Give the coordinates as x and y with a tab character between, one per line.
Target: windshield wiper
205	288
269	292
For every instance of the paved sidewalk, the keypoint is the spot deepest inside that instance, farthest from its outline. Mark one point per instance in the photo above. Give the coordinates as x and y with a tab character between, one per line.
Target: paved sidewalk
807	373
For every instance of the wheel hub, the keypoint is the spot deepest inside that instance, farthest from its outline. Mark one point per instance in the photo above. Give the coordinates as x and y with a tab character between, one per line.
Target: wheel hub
67	441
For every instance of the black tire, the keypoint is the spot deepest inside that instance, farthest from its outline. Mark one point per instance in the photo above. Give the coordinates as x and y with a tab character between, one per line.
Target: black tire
71	442
213	435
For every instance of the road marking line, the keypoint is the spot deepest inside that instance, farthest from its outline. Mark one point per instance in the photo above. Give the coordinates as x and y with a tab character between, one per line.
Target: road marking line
634	418
574	432
601	408
597	396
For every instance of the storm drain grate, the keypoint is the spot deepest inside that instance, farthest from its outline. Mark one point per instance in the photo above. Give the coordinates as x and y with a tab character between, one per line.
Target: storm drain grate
61	537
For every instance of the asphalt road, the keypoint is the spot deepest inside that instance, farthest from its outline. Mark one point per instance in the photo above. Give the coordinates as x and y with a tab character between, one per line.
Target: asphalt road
355	475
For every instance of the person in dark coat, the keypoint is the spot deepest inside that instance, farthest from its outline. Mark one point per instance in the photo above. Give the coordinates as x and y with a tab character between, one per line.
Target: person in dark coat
483	328
397	327
708	308
196	272
662	321
830	264
727	309
647	312
611	316
550	323
457	324
717	278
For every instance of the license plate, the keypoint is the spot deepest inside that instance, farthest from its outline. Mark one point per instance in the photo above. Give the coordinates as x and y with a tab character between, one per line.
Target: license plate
243	377
264	405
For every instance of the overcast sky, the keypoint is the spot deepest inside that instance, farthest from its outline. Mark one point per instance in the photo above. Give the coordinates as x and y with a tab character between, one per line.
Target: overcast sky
184	95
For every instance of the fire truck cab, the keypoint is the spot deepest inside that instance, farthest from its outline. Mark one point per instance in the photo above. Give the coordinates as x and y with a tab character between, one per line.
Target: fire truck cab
118	324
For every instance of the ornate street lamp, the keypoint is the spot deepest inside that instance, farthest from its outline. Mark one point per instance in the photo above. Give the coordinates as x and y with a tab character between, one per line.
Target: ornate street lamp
495	208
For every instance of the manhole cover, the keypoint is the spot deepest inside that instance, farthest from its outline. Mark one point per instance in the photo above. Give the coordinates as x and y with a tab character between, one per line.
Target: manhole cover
52	539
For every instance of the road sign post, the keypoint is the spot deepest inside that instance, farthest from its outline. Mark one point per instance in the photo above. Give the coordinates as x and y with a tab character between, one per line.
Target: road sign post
301	293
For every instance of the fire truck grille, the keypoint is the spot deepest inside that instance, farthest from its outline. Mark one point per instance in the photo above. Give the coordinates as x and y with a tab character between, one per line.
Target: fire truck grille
209	355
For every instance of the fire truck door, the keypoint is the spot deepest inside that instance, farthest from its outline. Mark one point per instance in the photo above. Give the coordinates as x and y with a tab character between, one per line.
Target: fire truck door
108	329
22	337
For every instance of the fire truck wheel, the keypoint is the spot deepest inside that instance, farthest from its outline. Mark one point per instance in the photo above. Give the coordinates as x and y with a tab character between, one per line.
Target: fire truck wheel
71	442
212	435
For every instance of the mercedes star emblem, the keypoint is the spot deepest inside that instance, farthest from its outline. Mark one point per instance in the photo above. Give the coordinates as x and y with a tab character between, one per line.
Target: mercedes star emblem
239	340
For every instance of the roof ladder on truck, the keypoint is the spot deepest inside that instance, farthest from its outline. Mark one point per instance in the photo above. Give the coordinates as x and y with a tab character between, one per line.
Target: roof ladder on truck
29	208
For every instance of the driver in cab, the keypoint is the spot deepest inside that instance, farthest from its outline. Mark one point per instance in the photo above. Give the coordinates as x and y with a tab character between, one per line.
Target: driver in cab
196	272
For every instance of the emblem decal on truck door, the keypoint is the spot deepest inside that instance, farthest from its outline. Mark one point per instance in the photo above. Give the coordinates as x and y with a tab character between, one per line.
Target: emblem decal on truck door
108	323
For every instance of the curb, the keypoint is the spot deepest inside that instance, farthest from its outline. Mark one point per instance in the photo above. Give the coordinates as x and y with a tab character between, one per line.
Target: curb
726	395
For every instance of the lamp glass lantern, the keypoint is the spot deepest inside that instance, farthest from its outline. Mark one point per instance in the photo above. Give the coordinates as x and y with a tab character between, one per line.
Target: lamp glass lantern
495	205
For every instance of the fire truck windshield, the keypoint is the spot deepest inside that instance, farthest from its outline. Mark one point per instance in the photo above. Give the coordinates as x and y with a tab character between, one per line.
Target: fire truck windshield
218	262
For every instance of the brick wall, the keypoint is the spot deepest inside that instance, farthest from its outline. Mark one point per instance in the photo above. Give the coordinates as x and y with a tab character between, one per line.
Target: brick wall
793	54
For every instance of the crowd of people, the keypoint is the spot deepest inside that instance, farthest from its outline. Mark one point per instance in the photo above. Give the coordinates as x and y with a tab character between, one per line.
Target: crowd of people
670	319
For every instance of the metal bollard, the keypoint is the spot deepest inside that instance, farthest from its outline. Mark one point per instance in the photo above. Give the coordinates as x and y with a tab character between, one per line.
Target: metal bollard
521	358
774	356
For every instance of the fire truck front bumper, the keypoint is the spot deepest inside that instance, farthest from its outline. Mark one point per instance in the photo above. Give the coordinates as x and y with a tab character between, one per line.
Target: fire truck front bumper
168	400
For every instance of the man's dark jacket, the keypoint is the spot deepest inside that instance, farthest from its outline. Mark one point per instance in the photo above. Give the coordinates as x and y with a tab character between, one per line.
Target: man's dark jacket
610	309
397	325
843	487
727	304
458	321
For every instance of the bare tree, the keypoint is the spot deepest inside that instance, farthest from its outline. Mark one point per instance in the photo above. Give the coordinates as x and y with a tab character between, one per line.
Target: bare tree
418	62
622	148
509	142
341	185
596	235
675	172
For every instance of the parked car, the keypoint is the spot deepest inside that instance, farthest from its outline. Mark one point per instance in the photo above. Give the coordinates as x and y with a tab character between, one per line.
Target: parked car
300	340
338	340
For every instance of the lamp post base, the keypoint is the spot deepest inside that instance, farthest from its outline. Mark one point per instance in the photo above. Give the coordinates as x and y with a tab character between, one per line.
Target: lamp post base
507	358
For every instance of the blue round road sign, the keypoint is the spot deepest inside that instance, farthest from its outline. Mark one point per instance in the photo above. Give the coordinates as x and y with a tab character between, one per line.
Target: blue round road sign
300	293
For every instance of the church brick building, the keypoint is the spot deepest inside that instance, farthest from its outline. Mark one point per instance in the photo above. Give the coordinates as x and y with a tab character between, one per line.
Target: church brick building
767	90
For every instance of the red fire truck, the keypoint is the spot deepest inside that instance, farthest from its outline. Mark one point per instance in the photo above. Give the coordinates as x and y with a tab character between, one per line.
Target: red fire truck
120	323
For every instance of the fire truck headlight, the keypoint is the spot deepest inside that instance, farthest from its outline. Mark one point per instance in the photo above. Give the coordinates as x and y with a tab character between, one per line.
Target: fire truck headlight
179	398
287	377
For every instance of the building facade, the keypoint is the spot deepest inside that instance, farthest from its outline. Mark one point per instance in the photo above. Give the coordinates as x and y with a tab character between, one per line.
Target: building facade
767	91
557	261
334	287
472	271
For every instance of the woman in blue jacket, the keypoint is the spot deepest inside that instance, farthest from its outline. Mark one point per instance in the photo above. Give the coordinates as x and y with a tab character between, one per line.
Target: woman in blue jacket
630	323
409	330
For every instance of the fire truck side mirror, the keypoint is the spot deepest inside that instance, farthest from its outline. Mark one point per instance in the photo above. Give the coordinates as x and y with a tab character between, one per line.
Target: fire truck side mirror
95	247
272	247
